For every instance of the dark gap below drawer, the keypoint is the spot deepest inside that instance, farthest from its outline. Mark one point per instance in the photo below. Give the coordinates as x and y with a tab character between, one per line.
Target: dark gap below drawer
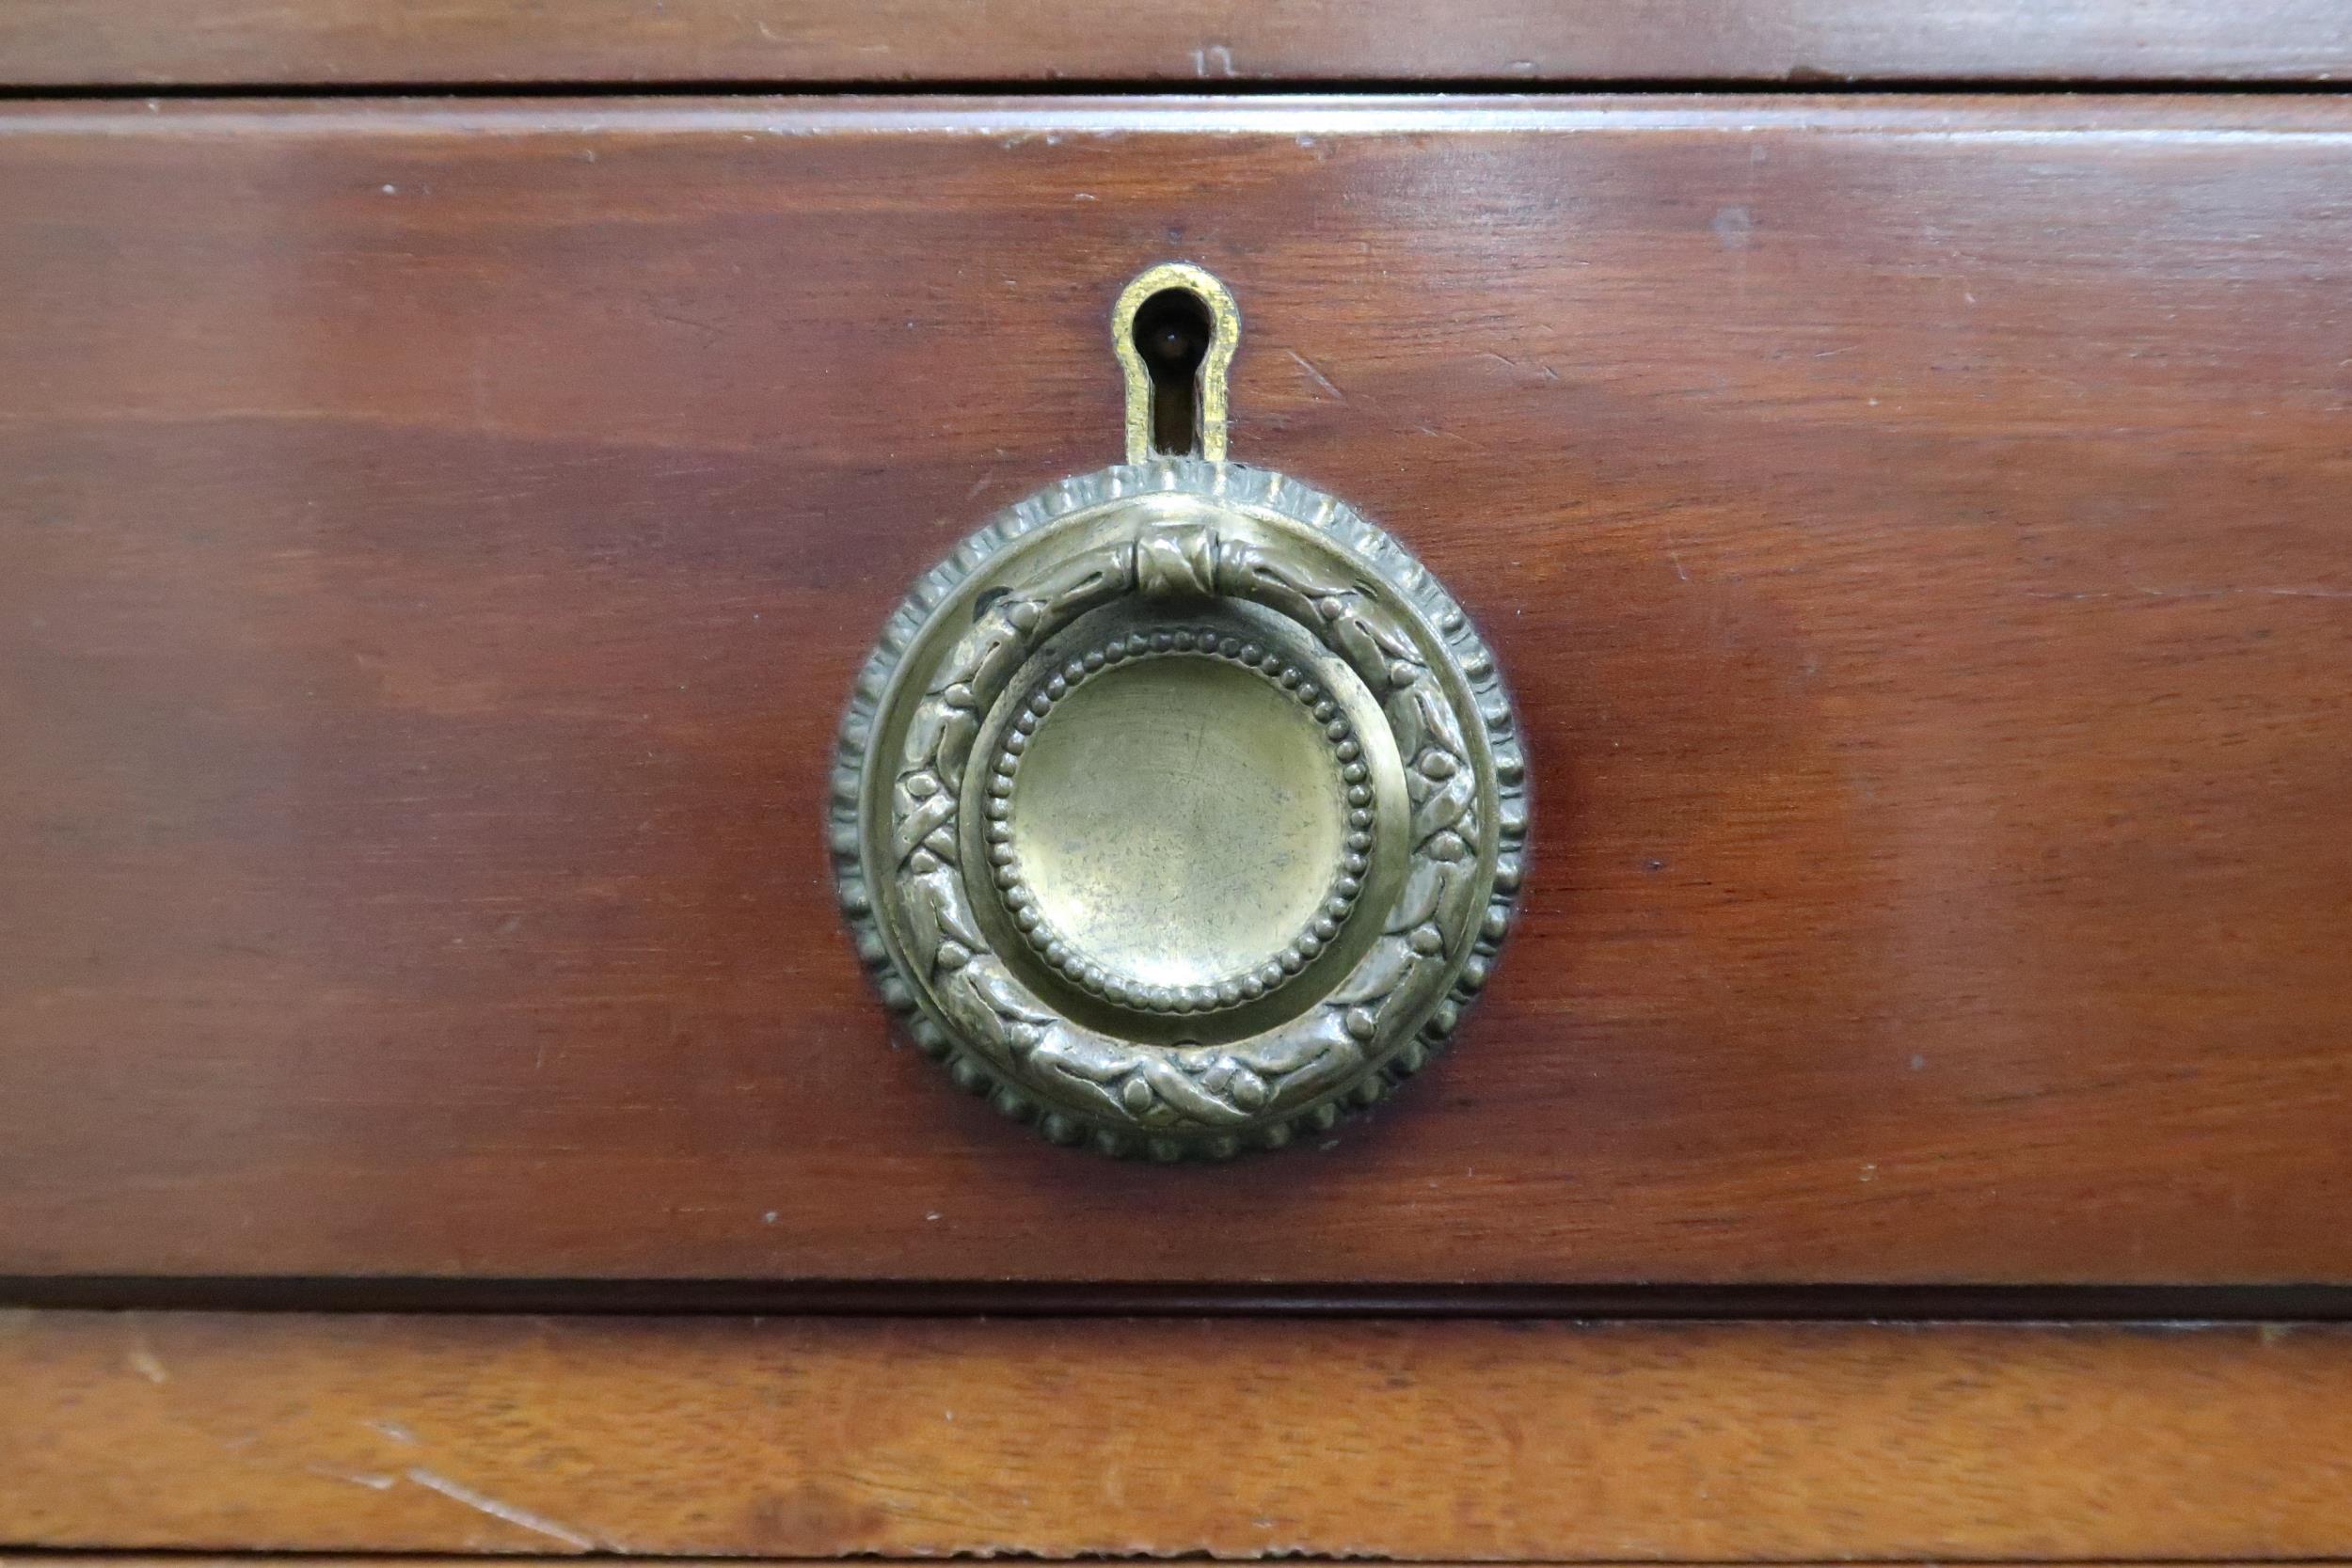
2312	1302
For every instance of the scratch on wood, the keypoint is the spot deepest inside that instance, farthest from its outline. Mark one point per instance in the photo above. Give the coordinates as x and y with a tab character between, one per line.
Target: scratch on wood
1315	375
481	1502
144	1360
368	1479
1216	59
2146	592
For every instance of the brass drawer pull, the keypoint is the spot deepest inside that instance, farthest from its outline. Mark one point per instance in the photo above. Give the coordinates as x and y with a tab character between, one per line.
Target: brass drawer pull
1179	807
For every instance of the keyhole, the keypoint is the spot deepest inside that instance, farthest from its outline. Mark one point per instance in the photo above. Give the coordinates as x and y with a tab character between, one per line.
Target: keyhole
1172	331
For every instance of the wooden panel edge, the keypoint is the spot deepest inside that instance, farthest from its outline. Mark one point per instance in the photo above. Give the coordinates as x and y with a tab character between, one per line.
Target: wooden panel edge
1429	1441
359	42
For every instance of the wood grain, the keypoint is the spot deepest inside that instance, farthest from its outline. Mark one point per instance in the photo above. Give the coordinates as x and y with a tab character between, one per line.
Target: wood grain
305	42
439	538
1470	1440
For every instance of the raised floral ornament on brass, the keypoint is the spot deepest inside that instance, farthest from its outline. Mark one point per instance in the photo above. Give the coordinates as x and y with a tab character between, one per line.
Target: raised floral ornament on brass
1180	808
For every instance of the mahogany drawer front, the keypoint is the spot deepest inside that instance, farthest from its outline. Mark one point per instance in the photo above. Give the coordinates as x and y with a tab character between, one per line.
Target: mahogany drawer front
440	537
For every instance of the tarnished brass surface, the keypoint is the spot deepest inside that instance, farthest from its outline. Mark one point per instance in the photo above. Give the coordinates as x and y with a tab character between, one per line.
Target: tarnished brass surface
1180	807
1138	768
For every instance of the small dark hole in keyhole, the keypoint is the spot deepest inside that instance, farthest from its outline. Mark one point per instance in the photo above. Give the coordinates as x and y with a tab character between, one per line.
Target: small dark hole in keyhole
1172	331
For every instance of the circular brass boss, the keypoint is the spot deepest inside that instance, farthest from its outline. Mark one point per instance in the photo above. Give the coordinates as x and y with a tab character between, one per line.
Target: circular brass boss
1179	808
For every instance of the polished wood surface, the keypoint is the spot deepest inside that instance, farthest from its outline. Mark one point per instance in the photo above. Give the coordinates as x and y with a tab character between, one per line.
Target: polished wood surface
297	43
1364	1439
439	537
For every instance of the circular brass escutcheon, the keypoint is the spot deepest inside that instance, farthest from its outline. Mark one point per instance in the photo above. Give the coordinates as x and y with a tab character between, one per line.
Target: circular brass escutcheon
1180	808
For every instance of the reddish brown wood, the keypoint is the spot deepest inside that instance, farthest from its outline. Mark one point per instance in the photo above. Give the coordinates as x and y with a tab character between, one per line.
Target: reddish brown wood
1413	1442
283	42
438	540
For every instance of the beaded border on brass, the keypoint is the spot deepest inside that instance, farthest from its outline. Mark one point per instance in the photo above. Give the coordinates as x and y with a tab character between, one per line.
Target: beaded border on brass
1339	900
1242	485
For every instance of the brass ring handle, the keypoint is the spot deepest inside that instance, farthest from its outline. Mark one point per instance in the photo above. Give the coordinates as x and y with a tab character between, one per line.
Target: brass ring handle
1180	807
